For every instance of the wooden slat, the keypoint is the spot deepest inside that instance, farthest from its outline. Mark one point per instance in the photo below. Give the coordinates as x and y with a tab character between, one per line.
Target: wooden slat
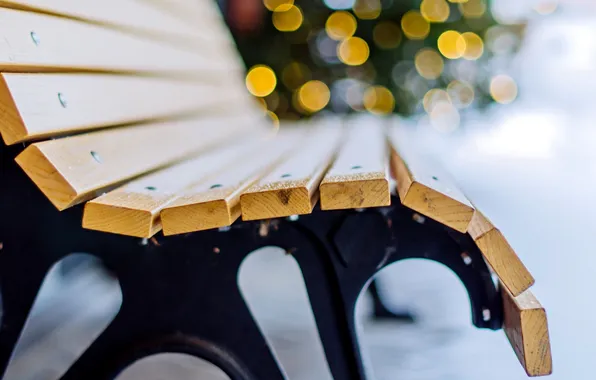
359	176
424	187
74	169
215	202
133	209
32	108
499	255
133	14
65	44
291	188
526	328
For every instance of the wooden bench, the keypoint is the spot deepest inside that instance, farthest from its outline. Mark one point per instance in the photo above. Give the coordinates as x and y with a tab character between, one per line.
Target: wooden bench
142	116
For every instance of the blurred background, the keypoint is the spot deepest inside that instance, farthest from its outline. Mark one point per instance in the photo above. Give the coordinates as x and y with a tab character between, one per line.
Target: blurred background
501	92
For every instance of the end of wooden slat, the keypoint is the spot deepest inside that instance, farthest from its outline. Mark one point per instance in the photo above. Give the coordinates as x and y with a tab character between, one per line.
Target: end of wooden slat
50	181
402	175
191	217
438	206
353	192
108	214
479	225
257	204
504	261
526	327
12	127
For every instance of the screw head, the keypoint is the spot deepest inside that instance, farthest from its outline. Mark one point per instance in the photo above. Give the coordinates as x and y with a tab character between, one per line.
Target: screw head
62	99
35	38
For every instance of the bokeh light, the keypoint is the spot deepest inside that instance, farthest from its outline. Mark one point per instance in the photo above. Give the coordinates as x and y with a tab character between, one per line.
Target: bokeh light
473	8
287	20
415	27
387	35
278	5
435	10
474	46
451	44
545	7
428	63
378	100
503	89
367	9
313	96
261	80
460	93
274	118
295	74
433	97
340	25
353	51
339	4
444	117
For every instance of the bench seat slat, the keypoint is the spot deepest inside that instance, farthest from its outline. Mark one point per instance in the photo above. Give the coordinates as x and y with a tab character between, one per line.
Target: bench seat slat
526	327
32	42
74	169
499	255
216	202
426	188
32	108
359	176
292	187
133	209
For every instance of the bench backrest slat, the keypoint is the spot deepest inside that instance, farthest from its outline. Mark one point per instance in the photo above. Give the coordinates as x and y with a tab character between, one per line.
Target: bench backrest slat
359	177
32	42
216	203
74	169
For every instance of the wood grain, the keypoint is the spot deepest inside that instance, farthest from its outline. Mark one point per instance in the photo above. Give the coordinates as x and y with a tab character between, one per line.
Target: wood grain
499	255
291	188
424	187
74	169
64	44
526	327
33	110
134	208
359	177
215	202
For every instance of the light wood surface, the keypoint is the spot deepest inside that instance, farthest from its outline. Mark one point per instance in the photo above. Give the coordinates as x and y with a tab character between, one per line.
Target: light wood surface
42	105
526	328
424	187
499	255
291	188
133	209
74	169
215	202
64	44
359	177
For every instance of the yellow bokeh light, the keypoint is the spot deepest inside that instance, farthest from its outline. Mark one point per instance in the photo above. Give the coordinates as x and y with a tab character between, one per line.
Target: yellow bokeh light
461	93
274	118
451	44
387	35
313	96
378	100
428	63
434	97
295	75
340	25
458	1
473	8
367	9
434	10
261	80
262	104
503	89
415	27
353	51
474	46
287	20
278	5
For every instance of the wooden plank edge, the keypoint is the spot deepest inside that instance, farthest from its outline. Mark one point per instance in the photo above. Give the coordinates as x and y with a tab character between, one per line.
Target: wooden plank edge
355	191
291	199
12	128
526	326
422	199
139	223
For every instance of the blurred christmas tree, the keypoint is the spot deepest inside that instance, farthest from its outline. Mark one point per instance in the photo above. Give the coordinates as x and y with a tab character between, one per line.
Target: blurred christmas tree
379	56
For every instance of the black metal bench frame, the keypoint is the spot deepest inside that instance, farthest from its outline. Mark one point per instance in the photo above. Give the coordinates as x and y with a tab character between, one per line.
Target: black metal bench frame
181	295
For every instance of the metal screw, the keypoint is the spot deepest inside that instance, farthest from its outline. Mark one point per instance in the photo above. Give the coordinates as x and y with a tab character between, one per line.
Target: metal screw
35	38
151	188
96	156
435	178
355	167
62	99
285	175
216	186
